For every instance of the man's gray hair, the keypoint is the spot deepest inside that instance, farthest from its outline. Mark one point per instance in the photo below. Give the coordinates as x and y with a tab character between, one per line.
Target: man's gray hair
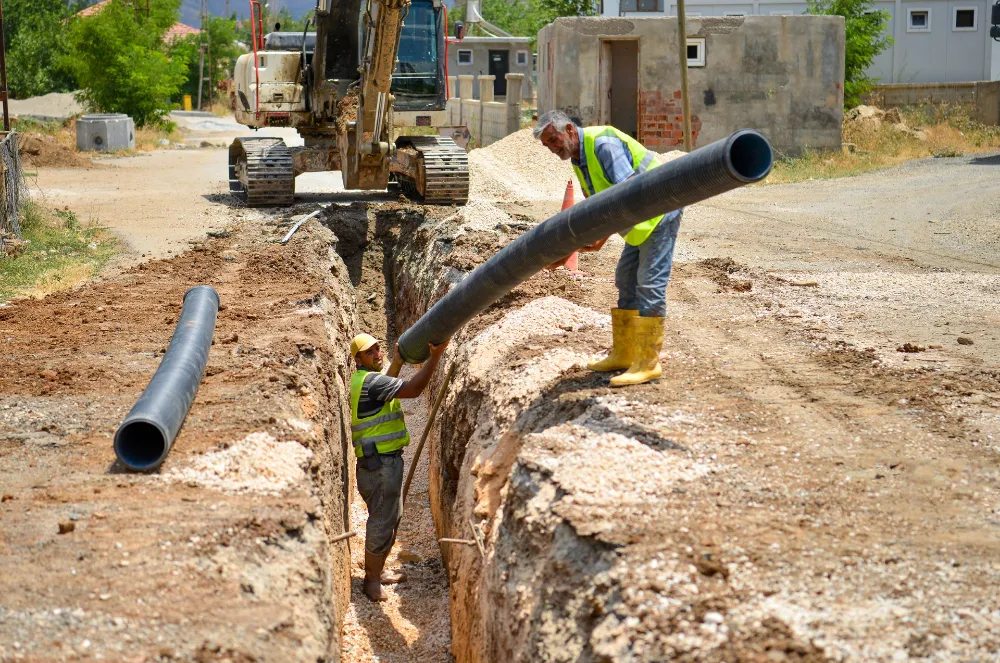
555	118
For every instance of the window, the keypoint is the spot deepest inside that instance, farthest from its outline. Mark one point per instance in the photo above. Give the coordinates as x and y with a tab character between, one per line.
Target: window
522	58
464	57
696	52
640	6
965	20
918	20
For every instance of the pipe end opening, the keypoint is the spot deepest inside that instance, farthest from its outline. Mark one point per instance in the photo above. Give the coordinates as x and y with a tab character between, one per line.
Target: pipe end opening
140	445
751	156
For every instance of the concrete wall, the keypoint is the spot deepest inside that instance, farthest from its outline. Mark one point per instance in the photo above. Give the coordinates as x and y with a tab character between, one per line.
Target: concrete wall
480	47
781	75
940	55
486	119
985	95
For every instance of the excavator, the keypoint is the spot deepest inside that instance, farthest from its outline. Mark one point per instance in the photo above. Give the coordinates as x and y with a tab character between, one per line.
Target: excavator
368	68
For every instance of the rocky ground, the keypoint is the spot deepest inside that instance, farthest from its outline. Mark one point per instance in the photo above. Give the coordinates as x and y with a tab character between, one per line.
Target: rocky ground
814	478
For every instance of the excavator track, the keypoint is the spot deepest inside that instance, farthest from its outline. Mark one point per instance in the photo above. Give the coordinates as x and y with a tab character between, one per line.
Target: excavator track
260	172
444	169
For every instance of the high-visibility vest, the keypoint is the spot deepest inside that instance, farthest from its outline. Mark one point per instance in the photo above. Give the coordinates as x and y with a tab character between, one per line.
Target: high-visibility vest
385	429
642	160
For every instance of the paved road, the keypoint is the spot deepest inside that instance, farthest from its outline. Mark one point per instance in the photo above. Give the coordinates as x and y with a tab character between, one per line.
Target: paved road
937	212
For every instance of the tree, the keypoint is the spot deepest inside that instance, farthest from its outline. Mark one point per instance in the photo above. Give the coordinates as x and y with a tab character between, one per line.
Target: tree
36	41
222	39
525	18
866	38
121	62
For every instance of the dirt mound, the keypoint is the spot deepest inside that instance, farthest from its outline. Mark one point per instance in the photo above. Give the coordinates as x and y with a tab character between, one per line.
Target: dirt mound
45	152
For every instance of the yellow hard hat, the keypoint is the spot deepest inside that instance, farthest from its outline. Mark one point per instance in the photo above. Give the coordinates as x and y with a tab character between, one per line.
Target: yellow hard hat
362	342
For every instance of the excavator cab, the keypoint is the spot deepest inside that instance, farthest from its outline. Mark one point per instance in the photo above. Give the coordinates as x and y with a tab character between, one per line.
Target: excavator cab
418	81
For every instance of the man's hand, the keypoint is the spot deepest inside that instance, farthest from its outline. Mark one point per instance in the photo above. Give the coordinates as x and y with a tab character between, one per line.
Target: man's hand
415	385
596	246
396	364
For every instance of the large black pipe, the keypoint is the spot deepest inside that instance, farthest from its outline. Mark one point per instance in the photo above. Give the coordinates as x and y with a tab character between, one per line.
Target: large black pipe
144	438
726	164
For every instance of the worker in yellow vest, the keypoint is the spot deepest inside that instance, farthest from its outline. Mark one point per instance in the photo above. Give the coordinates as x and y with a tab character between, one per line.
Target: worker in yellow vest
379	435
601	158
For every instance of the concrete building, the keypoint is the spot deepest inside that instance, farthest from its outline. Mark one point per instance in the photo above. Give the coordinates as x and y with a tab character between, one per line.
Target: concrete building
493	56
936	41
781	75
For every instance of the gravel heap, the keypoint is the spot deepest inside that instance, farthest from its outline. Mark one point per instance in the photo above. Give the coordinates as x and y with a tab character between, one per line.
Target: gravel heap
256	464
517	168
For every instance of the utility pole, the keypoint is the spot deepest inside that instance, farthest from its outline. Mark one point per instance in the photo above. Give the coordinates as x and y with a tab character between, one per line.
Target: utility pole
204	52
3	75
682	50
201	54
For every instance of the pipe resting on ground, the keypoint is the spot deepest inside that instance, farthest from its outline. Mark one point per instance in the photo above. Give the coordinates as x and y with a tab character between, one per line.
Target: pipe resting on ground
742	158
144	438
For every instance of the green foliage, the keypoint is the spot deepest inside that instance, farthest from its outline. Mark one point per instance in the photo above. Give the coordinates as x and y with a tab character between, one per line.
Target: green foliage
524	18
287	21
223	51
557	8
866	38
121	62
36	42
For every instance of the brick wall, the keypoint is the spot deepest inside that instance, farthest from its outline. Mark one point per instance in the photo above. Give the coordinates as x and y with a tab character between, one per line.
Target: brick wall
661	124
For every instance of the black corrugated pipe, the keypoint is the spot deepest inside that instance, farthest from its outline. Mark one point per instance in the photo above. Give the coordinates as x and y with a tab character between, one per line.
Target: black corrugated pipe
144	438
726	164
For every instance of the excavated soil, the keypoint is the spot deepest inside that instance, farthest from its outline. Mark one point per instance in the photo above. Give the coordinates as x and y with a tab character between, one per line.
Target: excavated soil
38	151
222	554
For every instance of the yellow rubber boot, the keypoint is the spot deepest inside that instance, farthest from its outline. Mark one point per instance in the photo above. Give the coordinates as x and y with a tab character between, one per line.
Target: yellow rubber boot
622	342
648	334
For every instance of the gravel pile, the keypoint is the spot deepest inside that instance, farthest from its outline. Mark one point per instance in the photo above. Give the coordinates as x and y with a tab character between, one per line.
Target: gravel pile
517	168
256	464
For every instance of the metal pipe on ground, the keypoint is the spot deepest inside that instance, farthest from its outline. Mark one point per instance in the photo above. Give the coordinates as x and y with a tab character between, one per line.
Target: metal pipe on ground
742	158
145	437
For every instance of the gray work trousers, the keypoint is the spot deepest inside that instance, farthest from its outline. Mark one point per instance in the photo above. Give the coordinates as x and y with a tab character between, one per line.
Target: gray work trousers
382	491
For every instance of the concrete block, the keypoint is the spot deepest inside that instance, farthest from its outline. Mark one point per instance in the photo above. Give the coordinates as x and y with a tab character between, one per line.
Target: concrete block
486	83
105	132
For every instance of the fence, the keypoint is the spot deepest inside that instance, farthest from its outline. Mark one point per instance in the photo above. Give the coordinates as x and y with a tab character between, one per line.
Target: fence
487	120
985	95
13	190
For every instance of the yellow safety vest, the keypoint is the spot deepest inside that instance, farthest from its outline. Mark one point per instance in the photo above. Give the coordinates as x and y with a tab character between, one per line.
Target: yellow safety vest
642	160
385	429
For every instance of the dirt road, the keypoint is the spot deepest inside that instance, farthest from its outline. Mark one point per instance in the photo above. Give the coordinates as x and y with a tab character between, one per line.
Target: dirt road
838	486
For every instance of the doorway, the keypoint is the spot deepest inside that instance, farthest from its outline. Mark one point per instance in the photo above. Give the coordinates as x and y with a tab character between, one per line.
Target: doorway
619	85
499	67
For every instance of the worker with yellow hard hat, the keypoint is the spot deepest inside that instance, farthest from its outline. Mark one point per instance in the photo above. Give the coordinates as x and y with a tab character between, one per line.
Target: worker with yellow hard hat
379	435
603	157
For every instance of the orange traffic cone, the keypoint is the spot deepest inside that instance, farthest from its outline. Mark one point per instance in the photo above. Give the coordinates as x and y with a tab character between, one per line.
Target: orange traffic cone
573	264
